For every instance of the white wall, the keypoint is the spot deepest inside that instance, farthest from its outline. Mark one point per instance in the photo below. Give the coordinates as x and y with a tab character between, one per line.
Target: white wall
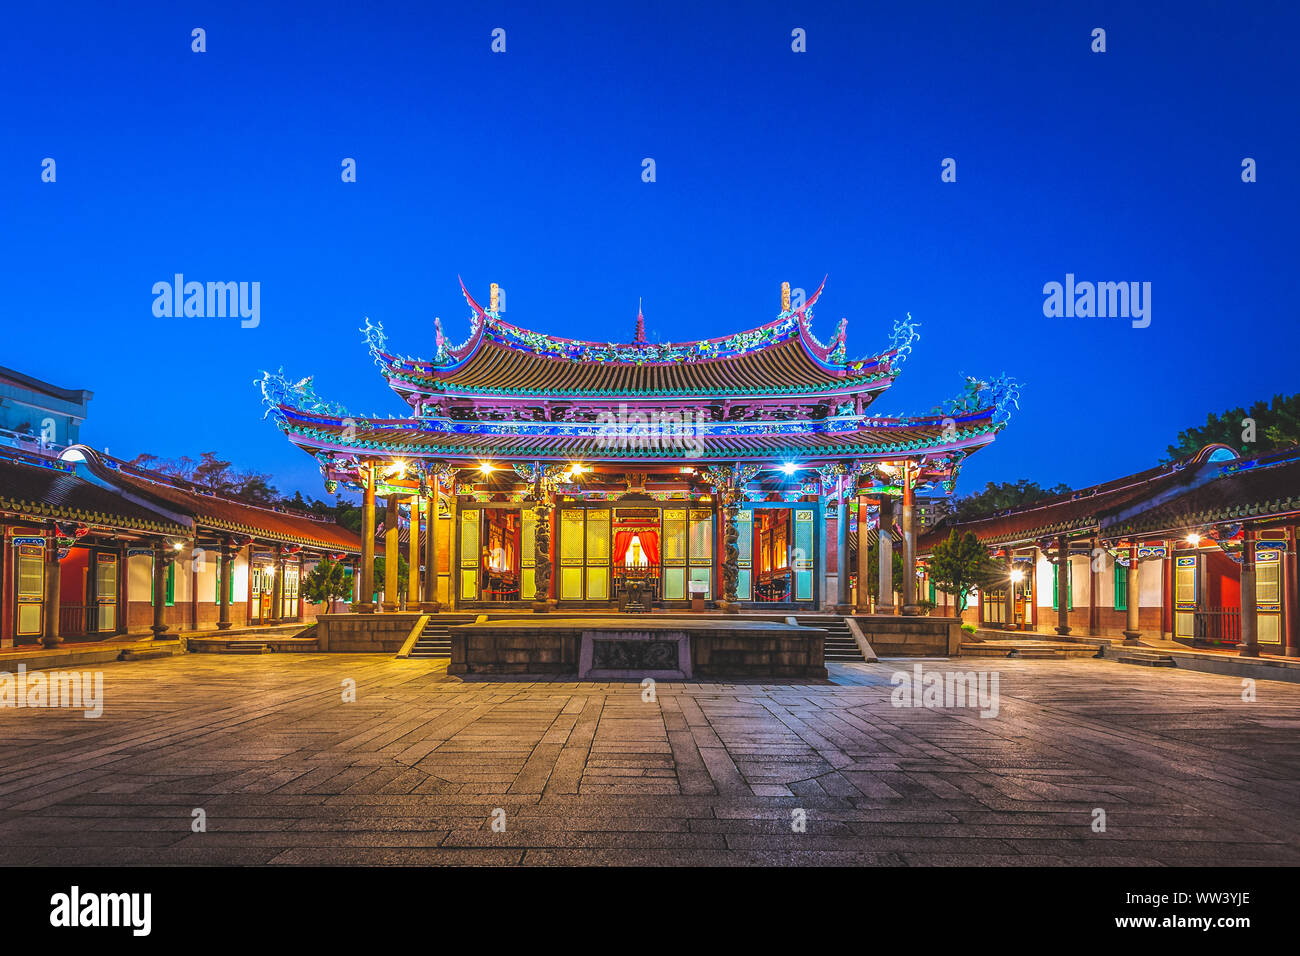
139	577
1151	583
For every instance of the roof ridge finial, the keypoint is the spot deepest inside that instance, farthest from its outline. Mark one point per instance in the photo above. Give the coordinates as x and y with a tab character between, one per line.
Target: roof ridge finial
639	336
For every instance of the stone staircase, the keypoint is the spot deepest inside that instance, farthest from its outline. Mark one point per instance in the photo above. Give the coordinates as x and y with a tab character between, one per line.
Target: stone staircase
841	648
435	640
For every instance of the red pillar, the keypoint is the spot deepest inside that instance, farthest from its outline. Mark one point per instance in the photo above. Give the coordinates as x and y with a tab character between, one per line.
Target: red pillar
1292	597
1063	586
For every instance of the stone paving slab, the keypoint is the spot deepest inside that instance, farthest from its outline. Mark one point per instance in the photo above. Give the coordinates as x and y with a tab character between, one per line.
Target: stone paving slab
420	766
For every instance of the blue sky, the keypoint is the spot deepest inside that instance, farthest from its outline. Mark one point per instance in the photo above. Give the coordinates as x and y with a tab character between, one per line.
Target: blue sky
524	168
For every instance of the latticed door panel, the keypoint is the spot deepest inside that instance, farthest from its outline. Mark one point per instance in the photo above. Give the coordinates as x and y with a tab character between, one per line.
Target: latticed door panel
1185	597
745	563
572	530
701	550
469	554
1268	596
528	557
598	555
674	554
803	557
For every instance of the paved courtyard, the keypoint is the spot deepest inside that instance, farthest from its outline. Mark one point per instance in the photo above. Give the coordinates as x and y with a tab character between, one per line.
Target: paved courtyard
417	768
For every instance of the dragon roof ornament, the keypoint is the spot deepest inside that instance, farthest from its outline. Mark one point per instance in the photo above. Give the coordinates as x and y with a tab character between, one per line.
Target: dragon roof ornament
278	393
1002	394
902	337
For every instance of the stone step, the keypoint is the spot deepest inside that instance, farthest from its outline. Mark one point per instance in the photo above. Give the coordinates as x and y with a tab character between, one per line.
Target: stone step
145	654
1143	660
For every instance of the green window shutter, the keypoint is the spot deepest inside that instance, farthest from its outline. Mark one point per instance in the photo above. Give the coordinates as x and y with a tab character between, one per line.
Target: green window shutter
230	591
1121	587
1056	592
171	583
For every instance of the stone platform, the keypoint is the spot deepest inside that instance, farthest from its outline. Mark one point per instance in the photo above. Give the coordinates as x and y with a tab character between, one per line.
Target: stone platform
602	648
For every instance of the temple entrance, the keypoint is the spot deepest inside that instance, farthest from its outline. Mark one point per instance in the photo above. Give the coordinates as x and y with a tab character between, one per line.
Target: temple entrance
87	592
774	581
289	602
261	585
497	560
584	552
634	557
637	567
777	544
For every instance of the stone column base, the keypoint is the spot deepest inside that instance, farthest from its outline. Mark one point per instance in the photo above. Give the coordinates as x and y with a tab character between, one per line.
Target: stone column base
1132	637
431	607
542	607
843	609
159	631
1064	631
224	625
911	610
50	642
1293	652
1249	650
364	609
389	607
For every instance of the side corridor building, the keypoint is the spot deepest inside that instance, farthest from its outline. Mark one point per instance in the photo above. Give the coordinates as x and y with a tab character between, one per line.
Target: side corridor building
1201	551
93	548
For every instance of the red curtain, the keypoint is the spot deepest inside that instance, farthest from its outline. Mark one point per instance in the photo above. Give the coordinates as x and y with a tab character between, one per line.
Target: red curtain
622	538
649	544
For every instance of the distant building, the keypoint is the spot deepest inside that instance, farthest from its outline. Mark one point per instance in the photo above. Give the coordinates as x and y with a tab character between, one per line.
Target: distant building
36	416
928	511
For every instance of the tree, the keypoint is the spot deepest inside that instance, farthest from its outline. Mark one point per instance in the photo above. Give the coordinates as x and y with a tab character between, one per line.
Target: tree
1001	496
959	564
327	583
348	516
403	576
1267	426
213	474
256	488
873	568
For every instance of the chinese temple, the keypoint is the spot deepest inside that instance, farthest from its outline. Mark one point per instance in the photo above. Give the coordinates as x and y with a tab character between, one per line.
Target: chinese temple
539	472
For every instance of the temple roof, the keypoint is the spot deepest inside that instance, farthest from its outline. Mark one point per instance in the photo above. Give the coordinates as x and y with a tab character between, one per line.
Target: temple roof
215	513
1196	492
471	442
778	359
1256	489
51	490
